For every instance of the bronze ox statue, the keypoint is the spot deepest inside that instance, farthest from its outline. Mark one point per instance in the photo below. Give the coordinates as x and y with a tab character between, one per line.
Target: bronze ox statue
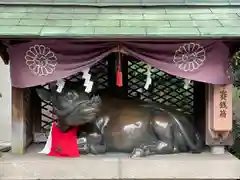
109	124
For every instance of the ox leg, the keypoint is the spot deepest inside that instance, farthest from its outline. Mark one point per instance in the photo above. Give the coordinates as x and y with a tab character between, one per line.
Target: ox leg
83	147
96	144
158	147
98	148
92	143
163	132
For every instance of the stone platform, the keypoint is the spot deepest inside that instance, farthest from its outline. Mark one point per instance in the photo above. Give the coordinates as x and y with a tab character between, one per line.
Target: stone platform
179	166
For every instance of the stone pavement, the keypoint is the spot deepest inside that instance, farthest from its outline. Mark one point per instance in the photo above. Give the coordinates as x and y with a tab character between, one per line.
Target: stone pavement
178	166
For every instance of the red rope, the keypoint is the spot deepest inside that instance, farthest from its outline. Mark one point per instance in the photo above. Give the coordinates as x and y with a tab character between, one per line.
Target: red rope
53	115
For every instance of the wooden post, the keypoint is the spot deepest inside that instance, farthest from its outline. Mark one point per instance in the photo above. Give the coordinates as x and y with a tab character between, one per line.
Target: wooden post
28	108
22	126
36	111
19	133
199	107
218	117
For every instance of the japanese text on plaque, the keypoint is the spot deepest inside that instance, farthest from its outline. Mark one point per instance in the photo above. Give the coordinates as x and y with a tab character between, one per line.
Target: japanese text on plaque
223	103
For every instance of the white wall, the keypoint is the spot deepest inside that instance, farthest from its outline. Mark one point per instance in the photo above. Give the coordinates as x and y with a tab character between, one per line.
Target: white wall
5	102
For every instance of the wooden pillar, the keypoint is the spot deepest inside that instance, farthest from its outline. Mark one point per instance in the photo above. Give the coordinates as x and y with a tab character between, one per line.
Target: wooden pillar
22	127
19	133
218	117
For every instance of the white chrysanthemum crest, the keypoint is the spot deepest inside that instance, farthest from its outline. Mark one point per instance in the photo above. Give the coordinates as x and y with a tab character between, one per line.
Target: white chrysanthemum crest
41	60
189	57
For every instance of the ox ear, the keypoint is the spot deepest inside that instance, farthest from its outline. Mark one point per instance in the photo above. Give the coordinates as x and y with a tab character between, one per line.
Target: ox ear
44	94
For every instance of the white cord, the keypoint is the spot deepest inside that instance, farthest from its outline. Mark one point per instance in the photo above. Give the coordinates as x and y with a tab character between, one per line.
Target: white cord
149	79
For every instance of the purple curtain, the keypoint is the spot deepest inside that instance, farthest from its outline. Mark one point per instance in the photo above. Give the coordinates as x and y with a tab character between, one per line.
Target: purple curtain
41	61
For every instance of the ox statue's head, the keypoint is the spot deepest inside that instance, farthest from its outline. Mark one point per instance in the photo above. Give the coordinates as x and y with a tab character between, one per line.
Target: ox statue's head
73	106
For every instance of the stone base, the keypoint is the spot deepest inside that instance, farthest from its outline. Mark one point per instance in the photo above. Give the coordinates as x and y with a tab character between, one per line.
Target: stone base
5	146
111	166
217	150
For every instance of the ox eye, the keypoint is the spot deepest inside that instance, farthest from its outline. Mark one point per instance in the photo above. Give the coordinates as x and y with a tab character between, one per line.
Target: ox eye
70	96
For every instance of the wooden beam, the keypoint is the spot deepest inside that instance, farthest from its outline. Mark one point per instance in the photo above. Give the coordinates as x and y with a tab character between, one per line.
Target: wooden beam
19	134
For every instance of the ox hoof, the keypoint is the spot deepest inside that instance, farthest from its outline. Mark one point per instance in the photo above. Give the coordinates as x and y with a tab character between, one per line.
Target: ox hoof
137	152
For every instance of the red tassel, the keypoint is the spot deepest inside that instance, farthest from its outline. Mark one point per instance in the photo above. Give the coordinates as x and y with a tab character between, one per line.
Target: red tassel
119	81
